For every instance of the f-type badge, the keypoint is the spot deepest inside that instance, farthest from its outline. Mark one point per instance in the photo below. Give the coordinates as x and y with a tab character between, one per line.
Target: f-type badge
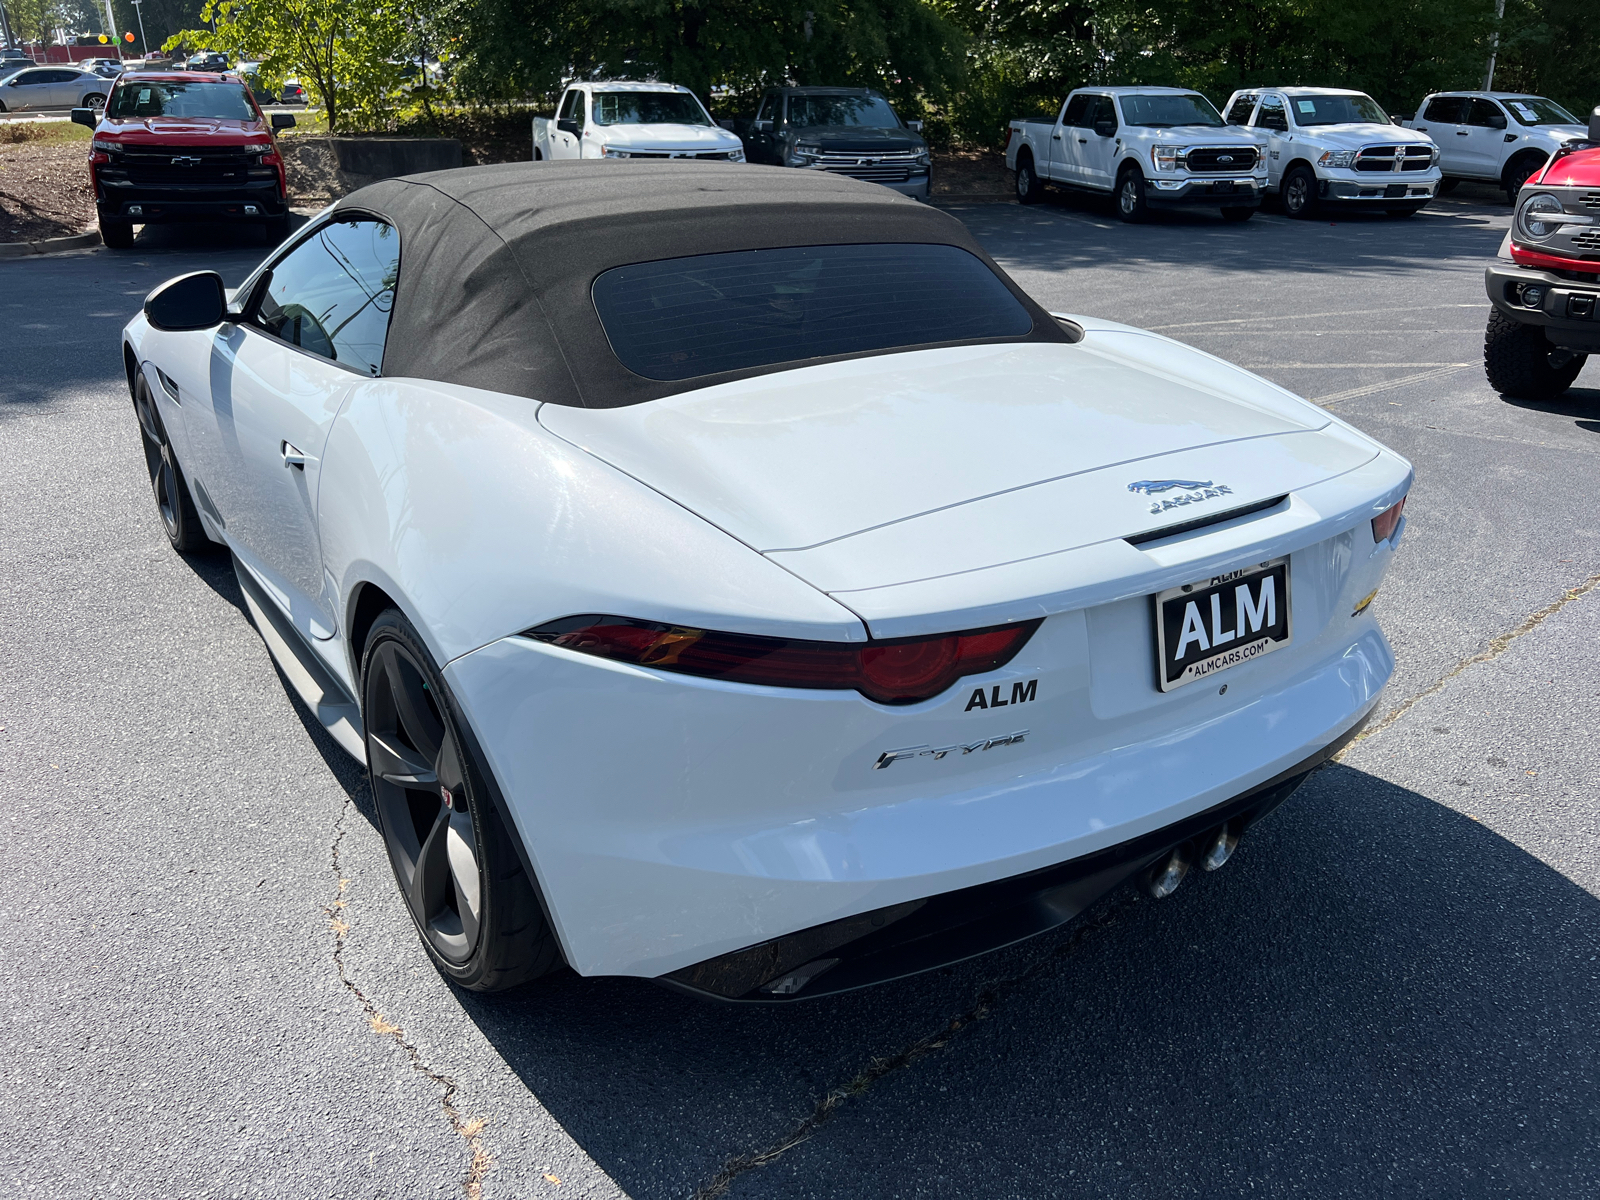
889	757
1195	491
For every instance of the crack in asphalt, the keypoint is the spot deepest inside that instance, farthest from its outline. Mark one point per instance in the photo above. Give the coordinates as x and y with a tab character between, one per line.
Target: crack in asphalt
471	1130
1497	646
992	994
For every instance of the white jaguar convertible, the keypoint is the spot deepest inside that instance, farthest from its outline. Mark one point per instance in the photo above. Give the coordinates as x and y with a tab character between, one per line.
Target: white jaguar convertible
730	577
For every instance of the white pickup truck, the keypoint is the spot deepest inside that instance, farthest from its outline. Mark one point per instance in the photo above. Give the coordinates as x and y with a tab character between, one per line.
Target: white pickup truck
1502	137
1333	145
1147	146
623	119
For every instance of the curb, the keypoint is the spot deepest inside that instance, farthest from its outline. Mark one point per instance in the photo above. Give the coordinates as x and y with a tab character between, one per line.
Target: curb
80	241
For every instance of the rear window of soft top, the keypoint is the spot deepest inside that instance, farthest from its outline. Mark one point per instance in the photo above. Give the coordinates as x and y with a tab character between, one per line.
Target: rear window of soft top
683	318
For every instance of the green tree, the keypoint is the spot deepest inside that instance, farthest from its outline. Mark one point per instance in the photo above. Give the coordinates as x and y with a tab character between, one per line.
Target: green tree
345	51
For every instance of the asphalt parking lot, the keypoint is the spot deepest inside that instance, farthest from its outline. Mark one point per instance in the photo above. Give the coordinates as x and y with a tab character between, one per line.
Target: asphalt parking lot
212	987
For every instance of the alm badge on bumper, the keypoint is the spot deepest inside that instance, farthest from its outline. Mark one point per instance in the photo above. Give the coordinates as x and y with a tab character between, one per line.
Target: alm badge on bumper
1206	627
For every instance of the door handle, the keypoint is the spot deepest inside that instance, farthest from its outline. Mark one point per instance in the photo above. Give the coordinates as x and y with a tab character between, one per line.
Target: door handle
1056	136
1083	141
292	457
1462	133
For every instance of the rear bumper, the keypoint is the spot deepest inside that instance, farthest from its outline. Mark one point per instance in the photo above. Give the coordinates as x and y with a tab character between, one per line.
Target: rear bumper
1568	311
1244	192
901	940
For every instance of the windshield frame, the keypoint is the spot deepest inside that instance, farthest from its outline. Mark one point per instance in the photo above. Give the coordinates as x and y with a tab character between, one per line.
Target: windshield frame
1509	102
597	98
1354	98
1122	106
124	85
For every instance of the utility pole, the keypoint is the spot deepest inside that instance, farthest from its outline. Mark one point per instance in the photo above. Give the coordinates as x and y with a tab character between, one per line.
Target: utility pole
6	40
144	42
1494	44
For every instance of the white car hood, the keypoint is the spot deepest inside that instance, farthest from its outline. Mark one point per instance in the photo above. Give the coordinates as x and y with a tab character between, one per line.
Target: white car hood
668	137
806	460
1353	137
1206	135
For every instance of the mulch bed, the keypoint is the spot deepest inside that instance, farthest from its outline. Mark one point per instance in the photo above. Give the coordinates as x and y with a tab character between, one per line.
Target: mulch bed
44	191
975	173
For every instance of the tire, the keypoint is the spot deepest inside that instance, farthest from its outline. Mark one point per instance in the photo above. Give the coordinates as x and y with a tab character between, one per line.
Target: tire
1030	189
1447	185
1521	363
1517	172
462	880
94	101
1299	192
276	228
118	235
1400	211
1131	204
179	519
1237	215
538	155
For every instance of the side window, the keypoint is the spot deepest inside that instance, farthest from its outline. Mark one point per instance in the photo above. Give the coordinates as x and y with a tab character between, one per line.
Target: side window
1486	113
27	78
1272	115
1447	110
1239	112
568	103
1101	110
333	292
1073	114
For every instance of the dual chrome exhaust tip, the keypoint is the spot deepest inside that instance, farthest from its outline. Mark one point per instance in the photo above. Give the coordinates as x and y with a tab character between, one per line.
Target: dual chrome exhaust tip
1209	851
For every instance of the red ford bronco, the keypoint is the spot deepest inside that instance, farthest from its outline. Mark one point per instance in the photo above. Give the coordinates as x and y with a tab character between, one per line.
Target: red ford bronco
182	146
1545	286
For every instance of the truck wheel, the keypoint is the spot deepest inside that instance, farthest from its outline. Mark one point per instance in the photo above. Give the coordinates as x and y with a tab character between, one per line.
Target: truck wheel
1518	170
538	155
1299	192
118	235
1520	361
1238	214
1131	204
1447	185
1029	189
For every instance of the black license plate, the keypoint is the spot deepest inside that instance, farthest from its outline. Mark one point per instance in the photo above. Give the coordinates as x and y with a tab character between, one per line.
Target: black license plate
1222	185
1394	191
1206	627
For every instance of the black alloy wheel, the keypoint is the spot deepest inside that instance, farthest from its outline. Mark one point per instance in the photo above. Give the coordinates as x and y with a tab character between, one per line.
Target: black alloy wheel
178	516
1517	171
1521	363
117	235
1029	189
1299	192
463	883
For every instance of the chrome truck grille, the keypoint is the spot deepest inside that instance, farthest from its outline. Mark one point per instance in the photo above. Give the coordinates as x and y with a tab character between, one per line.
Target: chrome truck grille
1394	158
873	167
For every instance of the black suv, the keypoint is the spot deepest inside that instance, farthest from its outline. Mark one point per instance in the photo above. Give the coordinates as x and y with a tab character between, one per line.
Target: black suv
850	131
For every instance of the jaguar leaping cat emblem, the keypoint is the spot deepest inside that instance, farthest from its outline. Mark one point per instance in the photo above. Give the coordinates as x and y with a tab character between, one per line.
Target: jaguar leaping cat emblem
1151	486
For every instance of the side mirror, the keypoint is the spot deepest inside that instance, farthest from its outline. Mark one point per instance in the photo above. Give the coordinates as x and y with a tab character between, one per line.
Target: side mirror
193	301
1594	124
763	126
914	126
568	125
282	121
726	124
86	116
1497	121
1105	128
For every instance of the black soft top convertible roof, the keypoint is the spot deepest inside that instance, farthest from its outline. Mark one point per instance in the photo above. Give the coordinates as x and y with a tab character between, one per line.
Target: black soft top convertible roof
497	263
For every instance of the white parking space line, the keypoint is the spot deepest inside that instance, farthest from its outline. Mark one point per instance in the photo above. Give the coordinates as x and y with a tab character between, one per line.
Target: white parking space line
1372	388
1349	366
1279	318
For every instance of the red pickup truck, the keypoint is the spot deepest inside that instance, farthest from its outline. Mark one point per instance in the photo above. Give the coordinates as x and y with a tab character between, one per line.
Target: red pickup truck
182	146
1545	286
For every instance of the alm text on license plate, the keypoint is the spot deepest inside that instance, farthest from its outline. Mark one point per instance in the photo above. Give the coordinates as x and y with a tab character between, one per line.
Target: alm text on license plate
1217	623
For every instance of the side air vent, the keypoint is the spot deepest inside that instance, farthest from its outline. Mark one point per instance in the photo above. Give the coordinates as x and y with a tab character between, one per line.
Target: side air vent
1156	535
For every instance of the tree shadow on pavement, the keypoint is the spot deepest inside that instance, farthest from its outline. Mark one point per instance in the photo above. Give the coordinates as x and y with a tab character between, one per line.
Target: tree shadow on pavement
1381	995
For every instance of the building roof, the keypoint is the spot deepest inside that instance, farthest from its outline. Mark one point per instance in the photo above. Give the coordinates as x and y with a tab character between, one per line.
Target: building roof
498	262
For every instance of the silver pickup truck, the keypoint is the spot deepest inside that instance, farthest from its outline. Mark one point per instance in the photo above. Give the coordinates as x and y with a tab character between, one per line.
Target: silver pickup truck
1147	146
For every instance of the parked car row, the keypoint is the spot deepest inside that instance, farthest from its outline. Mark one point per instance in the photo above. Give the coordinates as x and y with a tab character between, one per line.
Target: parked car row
1308	147
848	131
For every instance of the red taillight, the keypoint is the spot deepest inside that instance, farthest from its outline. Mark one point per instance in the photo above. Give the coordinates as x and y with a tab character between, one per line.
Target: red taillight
897	671
1384	523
